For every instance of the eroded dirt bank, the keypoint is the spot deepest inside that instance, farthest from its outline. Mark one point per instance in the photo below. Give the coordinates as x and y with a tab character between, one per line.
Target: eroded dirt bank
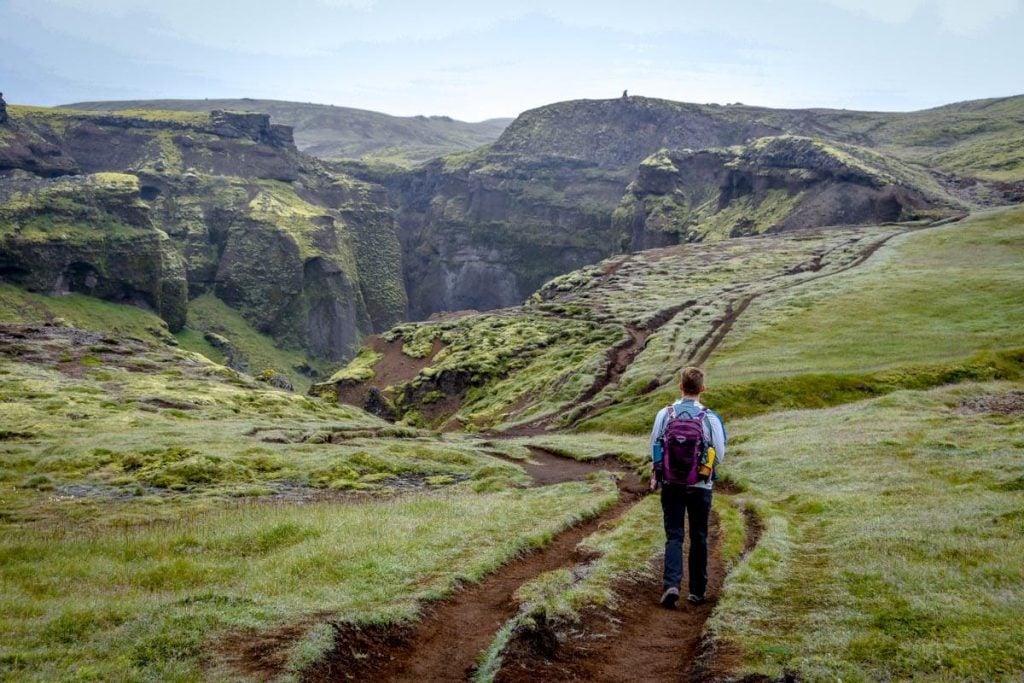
445	643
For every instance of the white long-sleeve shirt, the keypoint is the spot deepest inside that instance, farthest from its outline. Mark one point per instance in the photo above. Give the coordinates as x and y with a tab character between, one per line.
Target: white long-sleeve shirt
714	432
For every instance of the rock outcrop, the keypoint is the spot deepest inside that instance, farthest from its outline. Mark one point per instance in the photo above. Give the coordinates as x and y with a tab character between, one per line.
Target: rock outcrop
770	185
93	235
159	207
484	239
3	110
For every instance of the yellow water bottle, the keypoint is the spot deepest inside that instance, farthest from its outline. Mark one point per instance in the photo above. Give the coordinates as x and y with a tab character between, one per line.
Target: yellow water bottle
707	467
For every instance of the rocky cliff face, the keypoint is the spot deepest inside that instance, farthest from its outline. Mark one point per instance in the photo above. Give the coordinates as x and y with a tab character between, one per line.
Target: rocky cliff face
483	235
155	208
484	229
93	235
770	185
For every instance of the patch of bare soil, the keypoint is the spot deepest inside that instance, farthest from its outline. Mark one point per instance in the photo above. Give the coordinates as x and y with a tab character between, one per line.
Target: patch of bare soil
1009	403
394	367
260	655
546	468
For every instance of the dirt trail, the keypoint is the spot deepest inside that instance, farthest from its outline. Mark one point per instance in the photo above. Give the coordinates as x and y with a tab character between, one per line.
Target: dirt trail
638	641
445	643
547	468
620	357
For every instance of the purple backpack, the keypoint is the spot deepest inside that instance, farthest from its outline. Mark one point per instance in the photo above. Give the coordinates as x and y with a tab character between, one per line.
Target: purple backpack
682	448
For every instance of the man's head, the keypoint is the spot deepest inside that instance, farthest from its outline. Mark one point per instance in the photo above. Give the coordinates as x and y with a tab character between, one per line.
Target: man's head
692	382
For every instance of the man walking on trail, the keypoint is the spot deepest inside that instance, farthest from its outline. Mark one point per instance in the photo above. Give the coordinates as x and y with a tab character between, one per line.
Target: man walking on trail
687	444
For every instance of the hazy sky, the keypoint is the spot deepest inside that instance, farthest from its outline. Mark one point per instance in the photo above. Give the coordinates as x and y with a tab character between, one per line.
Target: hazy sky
475	60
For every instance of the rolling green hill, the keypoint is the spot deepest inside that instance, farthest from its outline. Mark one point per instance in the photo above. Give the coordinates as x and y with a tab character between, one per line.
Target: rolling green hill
331	132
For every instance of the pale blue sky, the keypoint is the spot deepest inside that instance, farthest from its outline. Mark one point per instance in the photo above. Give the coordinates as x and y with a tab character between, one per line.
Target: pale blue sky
475	60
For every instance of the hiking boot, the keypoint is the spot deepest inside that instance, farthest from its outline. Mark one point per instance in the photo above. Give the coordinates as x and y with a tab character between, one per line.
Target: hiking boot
695	599
670	597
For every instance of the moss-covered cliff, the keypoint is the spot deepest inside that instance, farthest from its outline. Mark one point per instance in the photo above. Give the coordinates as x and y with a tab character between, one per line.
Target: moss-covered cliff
769	185
155	207
483	229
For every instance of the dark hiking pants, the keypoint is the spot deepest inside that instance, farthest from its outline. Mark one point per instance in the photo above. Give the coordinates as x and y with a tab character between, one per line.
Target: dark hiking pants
695	503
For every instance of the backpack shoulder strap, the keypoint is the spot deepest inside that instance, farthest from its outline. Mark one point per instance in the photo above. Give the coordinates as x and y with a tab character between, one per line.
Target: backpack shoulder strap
669	416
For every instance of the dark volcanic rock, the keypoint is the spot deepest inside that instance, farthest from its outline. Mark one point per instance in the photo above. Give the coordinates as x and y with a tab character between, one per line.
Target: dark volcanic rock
3	110
484	230
486	235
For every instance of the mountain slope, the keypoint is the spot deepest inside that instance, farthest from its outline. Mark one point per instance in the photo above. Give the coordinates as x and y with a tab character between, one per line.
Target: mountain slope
331	132
600	347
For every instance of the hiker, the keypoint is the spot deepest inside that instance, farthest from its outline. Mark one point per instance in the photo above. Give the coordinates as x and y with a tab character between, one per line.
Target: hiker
695	438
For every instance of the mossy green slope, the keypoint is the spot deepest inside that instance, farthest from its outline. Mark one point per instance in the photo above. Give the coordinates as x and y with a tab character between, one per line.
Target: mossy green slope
127	552
92	234
491	368
773	184
552	359
918	311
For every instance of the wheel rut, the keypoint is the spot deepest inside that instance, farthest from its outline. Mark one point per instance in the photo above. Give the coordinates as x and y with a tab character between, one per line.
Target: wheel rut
638	639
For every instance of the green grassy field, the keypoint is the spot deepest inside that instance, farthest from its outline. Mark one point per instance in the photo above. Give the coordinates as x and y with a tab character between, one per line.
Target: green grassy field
148	602
935	295
152	501
893	547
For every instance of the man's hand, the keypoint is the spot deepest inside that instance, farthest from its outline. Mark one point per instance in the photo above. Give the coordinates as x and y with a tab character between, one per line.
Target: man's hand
654	482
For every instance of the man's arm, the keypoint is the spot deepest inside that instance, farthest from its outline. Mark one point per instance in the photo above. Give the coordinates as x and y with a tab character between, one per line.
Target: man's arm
718	437
656	431
656	455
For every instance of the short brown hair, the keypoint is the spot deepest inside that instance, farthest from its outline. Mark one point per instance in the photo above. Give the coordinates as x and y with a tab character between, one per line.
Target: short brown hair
692	382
